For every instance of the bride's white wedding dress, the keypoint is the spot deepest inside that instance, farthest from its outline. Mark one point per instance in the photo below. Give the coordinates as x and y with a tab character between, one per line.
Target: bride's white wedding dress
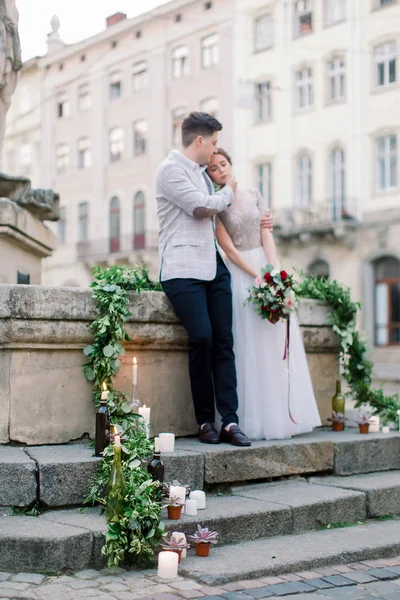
274	403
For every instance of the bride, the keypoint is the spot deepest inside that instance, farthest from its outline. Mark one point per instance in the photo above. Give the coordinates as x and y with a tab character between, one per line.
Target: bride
276	399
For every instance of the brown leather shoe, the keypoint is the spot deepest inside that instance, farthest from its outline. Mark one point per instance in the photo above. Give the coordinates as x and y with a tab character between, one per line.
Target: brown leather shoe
208	434
234	436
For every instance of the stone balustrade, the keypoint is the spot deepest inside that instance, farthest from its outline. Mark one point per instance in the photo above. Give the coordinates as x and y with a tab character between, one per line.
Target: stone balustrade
44	396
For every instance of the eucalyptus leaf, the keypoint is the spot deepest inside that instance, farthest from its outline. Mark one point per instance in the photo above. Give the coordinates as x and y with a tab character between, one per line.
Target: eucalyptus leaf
108	351
88	350
89	373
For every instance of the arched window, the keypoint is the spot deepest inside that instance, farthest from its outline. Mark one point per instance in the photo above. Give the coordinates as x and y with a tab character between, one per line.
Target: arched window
337	183
303	181
387	301
320	268
139	221
115	225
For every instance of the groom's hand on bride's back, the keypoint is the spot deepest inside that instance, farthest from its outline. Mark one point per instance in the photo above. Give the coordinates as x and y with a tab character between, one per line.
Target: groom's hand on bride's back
267	221
231	181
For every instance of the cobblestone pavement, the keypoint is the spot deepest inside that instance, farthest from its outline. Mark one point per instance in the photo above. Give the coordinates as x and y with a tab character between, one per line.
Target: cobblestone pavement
367	580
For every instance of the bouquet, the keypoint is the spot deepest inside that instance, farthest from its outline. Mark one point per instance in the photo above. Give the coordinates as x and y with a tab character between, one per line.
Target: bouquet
272	295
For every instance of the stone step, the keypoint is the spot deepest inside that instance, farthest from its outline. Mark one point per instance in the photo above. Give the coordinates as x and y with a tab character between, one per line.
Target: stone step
60	475
294	553
271	509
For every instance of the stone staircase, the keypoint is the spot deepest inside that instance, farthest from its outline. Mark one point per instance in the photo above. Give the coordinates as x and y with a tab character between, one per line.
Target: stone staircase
278	506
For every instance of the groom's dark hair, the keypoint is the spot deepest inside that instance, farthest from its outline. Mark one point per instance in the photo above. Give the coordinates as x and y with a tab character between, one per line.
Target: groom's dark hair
198	123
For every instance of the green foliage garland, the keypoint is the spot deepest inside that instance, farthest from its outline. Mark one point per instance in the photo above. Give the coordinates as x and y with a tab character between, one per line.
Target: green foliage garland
138	533
357	369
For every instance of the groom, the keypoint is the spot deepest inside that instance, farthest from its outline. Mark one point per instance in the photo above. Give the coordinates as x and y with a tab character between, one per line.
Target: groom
195	277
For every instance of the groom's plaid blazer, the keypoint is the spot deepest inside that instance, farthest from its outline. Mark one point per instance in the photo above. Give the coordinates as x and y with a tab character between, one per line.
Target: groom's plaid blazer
186	219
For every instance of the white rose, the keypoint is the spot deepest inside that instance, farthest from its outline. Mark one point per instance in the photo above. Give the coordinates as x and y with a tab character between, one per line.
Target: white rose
274	273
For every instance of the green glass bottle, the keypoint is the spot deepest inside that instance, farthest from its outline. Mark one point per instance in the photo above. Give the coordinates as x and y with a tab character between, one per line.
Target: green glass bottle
338	399
116	486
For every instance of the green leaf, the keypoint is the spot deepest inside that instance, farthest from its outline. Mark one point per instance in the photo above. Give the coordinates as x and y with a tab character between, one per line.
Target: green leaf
108	351
150	533
88	350
89	373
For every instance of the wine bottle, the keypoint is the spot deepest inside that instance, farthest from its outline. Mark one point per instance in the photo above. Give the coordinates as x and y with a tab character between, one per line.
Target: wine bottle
116	486
156	465
338	399
102	426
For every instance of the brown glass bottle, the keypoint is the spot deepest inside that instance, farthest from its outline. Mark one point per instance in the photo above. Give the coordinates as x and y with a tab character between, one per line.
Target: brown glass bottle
338	402
102	427
156	465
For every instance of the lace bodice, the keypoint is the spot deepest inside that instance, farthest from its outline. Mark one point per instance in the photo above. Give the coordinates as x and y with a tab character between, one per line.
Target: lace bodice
243	218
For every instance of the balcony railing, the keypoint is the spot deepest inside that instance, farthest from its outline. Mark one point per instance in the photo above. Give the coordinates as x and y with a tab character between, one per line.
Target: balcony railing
318	217
117	248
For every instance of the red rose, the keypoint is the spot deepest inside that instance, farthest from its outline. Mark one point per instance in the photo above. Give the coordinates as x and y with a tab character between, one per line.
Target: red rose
268	278
284	275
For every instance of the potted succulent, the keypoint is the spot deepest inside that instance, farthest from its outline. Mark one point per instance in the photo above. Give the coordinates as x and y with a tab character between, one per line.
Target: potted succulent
363	421
337	421
175	545
174	508
203	538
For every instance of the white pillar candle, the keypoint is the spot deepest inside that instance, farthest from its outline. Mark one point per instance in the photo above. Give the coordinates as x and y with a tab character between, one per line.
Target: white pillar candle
134	371
386	429
200	498
178	536
167	442
144	411
177	492
157	445
167	565
105	392
191	508
374	424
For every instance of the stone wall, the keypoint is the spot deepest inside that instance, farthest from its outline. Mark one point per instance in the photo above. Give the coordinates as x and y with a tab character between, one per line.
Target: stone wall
44	396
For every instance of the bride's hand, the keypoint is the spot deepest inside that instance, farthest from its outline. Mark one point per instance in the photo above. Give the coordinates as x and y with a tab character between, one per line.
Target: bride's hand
267	222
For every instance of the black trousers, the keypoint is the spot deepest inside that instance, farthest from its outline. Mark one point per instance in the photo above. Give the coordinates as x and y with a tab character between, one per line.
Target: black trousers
205	310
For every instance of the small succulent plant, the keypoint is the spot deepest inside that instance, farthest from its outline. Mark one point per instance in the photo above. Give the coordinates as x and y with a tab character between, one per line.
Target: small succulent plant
363	418
174	501
204	536
173	544
337	417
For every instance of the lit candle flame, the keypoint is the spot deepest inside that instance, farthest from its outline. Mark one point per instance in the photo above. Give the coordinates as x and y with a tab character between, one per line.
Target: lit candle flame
104	386
134	360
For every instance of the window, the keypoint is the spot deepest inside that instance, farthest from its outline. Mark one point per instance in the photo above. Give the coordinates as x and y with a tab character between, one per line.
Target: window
386	162
140	131
23	278
63	107
207	5
320	268
210	106
139	76
177	117
303	17
83	222
62	226
303	181
387	301
62	158
84	98
115	225
385	58
180	62
263	101
117	144
210	51
337	79
139	225
334	11
304	88
263	33
337	183
84	153
264	182
115	85
380	3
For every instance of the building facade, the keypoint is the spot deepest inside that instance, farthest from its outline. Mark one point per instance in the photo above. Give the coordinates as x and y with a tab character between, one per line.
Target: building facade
113	108
321	142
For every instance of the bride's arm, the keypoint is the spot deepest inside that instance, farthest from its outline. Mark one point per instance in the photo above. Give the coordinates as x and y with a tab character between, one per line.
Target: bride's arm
225	241
268	243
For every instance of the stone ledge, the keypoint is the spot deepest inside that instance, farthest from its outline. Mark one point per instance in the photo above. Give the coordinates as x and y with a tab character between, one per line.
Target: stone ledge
357	456
18	485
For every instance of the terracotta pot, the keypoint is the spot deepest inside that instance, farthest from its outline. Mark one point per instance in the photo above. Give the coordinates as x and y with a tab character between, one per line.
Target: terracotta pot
174	512
337	426
363	427
203	549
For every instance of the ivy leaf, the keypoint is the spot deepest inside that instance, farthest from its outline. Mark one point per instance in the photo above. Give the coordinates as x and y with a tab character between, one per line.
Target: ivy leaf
88	350
108	351
134	464
150	534
125	408
89	373
124	449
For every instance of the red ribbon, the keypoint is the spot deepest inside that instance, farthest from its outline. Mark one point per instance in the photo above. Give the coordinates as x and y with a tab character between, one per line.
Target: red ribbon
287	356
